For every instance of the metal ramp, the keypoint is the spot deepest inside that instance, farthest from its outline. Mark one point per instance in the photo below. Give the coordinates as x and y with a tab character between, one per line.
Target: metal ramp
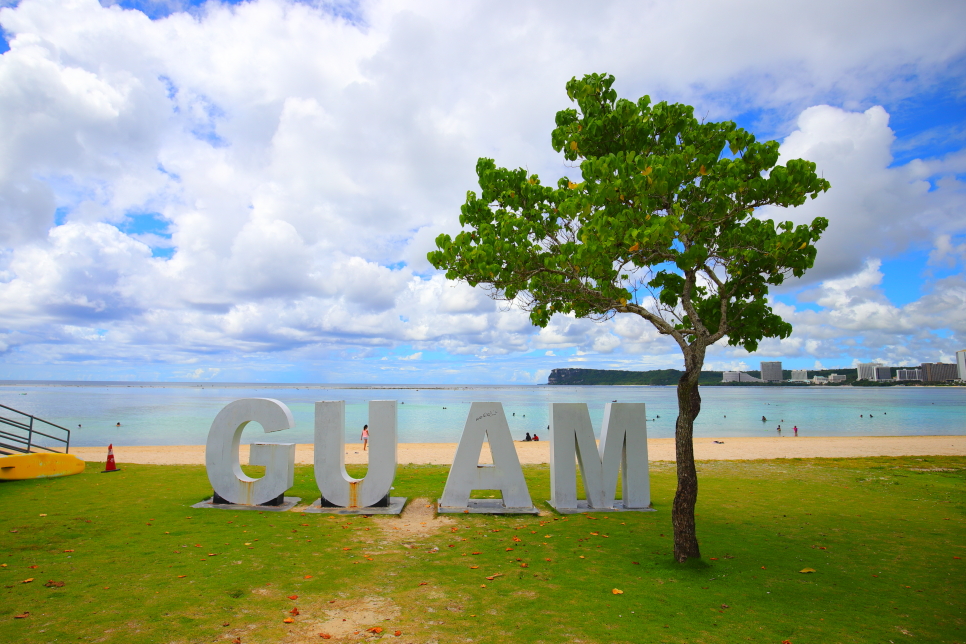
22	433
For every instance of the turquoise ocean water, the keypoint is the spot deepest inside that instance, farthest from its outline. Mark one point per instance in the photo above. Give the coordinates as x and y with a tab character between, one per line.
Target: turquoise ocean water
182	414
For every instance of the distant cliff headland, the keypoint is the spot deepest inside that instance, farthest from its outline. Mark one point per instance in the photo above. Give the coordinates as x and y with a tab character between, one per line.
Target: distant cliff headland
671	377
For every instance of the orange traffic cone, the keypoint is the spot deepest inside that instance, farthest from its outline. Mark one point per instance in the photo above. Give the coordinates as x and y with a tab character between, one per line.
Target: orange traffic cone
110	466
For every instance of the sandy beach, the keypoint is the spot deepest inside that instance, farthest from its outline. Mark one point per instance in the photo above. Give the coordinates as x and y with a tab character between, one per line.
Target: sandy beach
659	449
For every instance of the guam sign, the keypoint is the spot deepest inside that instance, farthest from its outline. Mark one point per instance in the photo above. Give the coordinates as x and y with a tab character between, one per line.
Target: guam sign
622	449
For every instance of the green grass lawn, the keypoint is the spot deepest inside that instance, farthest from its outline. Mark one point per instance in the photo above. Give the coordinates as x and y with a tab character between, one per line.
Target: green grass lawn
885	536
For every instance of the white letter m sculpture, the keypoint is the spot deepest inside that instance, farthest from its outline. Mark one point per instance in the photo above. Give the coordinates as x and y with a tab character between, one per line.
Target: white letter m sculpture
623	447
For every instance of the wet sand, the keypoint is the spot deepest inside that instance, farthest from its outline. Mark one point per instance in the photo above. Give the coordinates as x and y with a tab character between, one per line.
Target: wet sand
659	449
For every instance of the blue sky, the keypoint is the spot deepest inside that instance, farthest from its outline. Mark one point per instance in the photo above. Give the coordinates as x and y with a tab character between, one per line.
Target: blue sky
246	191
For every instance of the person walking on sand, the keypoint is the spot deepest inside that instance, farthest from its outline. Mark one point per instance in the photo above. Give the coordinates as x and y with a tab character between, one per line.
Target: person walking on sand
779	431
365	437
795	429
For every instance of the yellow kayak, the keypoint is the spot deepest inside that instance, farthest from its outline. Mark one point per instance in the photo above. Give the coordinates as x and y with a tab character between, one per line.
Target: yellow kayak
39	466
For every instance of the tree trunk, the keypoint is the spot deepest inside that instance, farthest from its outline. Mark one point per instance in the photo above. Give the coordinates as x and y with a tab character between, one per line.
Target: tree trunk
686	496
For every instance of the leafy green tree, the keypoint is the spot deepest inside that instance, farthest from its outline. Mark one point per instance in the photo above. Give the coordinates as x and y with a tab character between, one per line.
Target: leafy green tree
660	225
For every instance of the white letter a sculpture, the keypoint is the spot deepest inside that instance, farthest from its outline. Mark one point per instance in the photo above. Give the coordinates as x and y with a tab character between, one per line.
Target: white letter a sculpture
486	421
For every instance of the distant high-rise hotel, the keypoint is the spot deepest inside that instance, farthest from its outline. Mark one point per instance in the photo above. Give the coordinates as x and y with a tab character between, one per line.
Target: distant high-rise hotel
938	372
737	376
883	373
800	375
961	364
866	370
771	371
909	374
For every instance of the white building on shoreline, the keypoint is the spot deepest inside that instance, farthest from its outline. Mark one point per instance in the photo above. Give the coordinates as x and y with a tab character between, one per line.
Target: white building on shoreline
771	371
738	376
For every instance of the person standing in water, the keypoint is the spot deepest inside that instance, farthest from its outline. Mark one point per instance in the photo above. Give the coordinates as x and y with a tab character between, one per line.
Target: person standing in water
795	429
365	437
779	431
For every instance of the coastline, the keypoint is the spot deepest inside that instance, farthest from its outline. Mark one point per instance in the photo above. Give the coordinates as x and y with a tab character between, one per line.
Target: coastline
659	449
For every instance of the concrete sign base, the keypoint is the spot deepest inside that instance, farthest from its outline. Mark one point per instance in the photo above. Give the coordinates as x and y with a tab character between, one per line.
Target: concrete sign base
583	507
396	505
289	503
486	506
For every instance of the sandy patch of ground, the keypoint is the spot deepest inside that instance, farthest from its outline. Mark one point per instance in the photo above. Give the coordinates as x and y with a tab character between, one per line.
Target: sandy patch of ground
344	619
417	521
659	449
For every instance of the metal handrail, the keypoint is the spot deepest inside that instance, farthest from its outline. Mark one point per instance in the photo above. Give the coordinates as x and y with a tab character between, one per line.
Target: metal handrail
29	428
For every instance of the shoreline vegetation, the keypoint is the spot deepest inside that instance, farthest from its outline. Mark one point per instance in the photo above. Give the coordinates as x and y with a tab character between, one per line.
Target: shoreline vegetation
669	377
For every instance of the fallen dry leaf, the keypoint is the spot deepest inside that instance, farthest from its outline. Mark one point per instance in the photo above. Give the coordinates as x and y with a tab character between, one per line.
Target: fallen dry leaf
68	551
54	584
808	570
524	565
27	581
225	624
375	629
617	591
22	615
473	567
325	636
288	620
499	574
509	549
182	576
295	610
307	577
397	633
293	597
424	583
237	640
476	553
